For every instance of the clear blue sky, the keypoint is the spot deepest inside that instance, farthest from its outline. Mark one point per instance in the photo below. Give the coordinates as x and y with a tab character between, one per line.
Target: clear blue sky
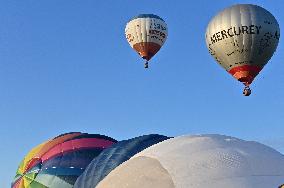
66	66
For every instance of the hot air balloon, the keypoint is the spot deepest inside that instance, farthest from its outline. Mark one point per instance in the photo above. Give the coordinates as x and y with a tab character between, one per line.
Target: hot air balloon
200	161
146	34
242	39
113	156
58	162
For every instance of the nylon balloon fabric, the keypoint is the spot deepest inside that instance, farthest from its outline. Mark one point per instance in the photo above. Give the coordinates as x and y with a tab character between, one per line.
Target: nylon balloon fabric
58	162
112	157
200	161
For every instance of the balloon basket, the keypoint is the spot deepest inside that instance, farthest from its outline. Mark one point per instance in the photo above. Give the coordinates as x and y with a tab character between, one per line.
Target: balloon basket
247	91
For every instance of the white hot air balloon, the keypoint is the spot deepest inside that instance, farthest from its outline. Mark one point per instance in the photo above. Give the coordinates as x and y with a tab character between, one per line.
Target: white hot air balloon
146	34
201	161
242	39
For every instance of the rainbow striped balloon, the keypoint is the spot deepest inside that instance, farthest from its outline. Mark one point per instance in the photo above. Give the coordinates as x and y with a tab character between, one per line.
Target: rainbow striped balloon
58	162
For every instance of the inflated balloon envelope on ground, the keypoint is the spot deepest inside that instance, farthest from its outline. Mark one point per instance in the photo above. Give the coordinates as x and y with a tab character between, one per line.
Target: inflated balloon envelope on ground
113	156
200	161
58	162
187	161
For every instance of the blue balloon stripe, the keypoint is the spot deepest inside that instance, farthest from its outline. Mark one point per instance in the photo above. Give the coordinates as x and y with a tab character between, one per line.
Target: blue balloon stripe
62	171
147	16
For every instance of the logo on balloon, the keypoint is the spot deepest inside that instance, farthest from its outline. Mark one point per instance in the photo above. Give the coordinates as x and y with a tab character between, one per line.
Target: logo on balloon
235	31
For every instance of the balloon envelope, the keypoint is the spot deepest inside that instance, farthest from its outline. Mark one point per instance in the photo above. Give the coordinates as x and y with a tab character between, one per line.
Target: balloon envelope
200	161
113	156
58	162
146	34
242	39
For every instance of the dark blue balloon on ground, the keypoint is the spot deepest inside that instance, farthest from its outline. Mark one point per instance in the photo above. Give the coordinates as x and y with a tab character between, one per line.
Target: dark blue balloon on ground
112	157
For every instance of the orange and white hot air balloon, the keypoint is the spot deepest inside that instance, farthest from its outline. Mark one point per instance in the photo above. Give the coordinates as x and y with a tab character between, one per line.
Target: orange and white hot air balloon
146	34
242	39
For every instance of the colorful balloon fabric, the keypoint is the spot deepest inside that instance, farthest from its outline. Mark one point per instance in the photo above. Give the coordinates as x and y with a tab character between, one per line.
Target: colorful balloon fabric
200	161
112	157
146	34
242	39
58	162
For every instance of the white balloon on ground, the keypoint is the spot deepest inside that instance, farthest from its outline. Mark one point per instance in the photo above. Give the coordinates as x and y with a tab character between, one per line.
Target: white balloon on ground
200	161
